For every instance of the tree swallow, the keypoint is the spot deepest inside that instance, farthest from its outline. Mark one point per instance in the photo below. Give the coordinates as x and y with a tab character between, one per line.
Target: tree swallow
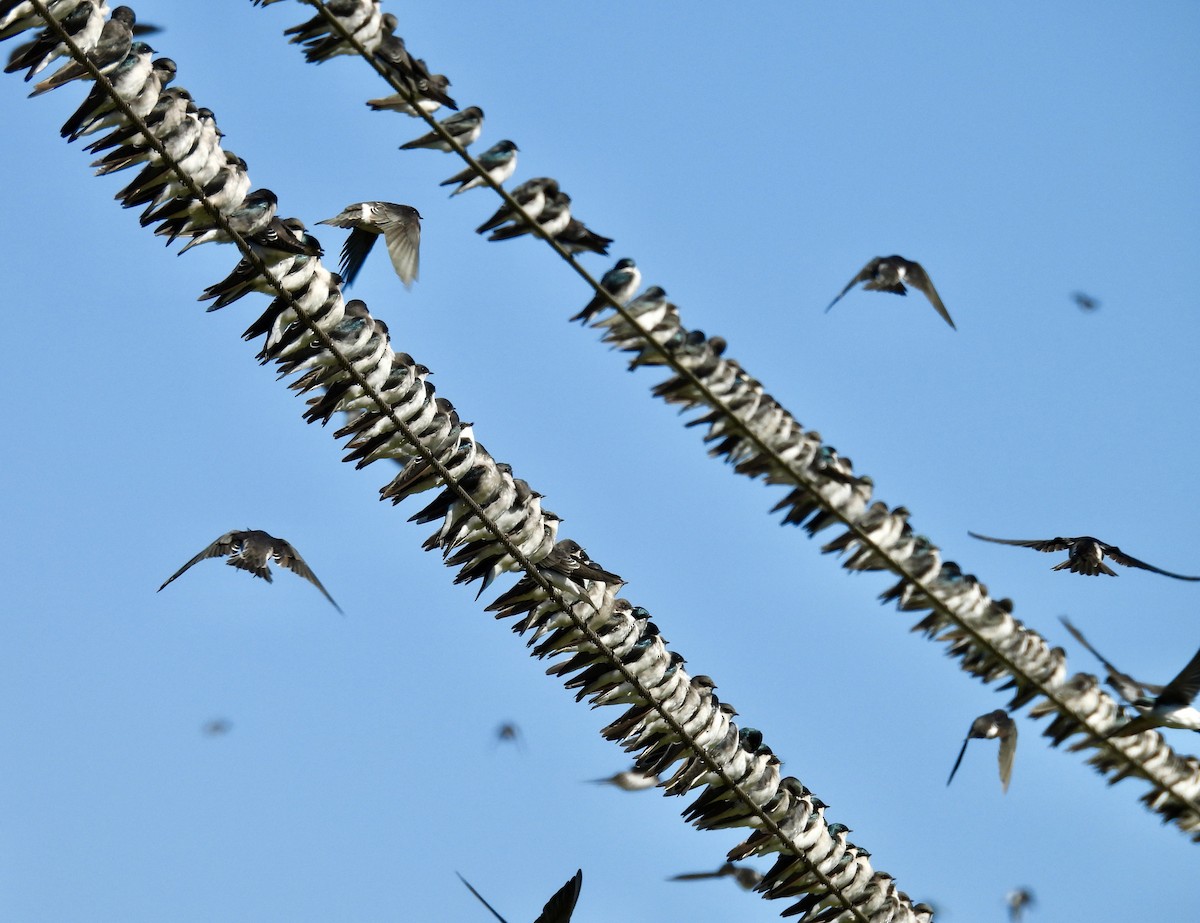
1085	301
985	727
464	127
576	237
531	195
629	781
250	551
888	274
116	38
746	877
1171	708
620	282
499	160
553	217
400	226
1085	554
558	909
1018	899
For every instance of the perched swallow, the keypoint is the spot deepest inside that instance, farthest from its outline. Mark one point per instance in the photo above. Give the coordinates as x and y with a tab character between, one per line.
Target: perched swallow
252	216
746	877
499	161
531	195
464	127
620	282
558	909
1085	554
576	237
83	23
116	38
400	226
1127	687
552	219
985	727
1018	899
251	550
1172	707
216	727
629	781
1085	301
888	274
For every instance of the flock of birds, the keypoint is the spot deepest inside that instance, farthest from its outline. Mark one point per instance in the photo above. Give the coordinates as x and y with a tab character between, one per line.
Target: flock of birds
291	257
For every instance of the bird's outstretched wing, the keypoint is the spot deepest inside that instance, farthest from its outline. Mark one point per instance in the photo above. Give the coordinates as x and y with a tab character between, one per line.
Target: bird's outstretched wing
1134	726
1182	690
1008	750
221	547
863	275
403	238
699	876
958	761
916	276
1037	544
562	904
1127	687
354	253
480	898
287	556
1129	561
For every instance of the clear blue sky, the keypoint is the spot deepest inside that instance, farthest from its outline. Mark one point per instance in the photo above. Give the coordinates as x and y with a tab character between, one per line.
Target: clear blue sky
751	160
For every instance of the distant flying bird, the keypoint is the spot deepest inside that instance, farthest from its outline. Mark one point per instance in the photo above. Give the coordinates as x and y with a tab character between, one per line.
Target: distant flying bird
251	550
1018	899
499	161
1130	689
509	732
216	727
888	274
746	877
629	781
400	226
1085	301
558	909
1085	554
464	127
1173	706
985	727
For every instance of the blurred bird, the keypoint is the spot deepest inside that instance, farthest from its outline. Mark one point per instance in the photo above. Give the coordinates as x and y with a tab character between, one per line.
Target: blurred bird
1018	899
888	274
558	909
1172	707
250	551
746	877
620	282
400	226
499	161
629	781
216	727
1085	301
1085	554
985	727
464	127
576	237
508	731
1130	689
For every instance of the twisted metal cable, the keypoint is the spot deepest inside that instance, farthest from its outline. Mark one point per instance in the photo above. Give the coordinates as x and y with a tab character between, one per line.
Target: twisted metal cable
1157	763
813	871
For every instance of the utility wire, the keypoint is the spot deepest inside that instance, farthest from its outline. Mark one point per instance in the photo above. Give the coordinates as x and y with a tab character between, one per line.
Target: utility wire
531	570
1115	748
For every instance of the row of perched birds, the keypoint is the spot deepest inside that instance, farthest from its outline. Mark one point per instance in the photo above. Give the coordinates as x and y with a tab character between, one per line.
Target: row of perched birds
635	668
466	543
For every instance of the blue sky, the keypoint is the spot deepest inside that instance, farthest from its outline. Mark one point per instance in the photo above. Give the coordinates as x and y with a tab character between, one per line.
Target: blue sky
751	160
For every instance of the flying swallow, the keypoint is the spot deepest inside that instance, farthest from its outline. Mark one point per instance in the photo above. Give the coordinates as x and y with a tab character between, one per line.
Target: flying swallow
1085	554
509	732
216	727
464	127
1130	689
620	282
629	781
888	274
558	909
1085	301
746	877
400	226
499	161
1018	899
1172	707
985	727
251	550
